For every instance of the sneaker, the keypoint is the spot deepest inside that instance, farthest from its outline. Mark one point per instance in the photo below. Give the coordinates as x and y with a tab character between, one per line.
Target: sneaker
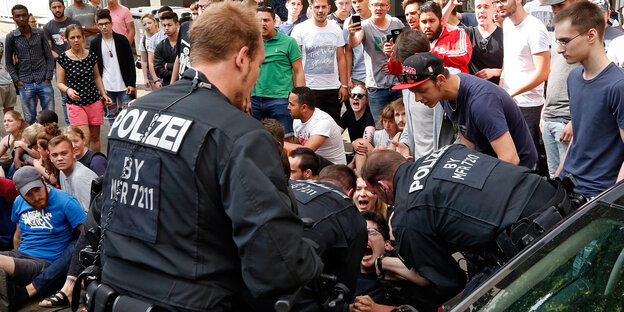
6	292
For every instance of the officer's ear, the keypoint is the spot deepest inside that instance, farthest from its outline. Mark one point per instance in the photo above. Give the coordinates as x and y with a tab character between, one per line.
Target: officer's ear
242	57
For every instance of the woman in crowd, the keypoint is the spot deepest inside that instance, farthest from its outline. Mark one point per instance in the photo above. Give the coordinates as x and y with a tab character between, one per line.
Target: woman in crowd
382	139
44	164
14	124
93	160
150	27
364	199
79	77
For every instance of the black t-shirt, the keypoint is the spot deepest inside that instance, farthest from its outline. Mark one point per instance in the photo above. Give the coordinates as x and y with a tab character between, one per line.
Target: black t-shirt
493	56
356	127
183	48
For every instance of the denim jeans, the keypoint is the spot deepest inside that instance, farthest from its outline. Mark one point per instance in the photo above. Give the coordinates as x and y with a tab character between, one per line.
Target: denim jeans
64	103
110	114
555	149
379	98
53	277
265	107
29	95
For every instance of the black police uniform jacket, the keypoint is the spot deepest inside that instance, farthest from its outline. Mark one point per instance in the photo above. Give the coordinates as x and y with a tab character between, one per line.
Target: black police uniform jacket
203	210
339	229
455	199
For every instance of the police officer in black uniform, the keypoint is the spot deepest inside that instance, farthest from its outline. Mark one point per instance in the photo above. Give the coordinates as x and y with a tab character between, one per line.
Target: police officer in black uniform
338	229
196	206
460	200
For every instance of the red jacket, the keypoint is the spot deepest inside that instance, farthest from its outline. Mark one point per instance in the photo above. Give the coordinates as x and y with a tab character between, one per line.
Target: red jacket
452	46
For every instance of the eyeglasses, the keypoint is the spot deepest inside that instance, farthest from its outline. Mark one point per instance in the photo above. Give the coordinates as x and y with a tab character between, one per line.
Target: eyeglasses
100	25
483	45
564	43
373	231
357	95
379	5
410	78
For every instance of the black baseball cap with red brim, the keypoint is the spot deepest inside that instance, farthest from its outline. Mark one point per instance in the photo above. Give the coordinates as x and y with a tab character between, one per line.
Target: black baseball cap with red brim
419	68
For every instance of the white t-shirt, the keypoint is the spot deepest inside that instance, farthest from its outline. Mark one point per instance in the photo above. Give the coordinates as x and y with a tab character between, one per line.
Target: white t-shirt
420	118
543	13
318	50
616	50
520	43
111	74
321	123
381	137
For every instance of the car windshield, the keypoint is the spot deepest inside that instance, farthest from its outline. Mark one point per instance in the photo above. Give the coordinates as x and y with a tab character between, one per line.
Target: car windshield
578	270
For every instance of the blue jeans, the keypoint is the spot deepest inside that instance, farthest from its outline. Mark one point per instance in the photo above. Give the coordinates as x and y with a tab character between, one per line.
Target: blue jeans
265	107
63	102
555	149
29	95
379	98
55	274
110	114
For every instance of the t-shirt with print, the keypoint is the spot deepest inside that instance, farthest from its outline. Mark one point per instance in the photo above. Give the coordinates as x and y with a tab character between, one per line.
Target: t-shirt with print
84	15
121	17
183	48
55	32
483	112
5	77
321	123
46	232
520	43
318	48
79	76
374	57
543	13
275	79
597	151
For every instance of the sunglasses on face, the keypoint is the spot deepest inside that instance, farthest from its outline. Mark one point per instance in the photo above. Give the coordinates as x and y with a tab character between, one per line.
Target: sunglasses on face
357	95
411	78
483	45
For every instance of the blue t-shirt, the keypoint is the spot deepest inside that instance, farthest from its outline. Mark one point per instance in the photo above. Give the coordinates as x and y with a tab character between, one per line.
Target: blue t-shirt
287	28
484	112
597	109
45	233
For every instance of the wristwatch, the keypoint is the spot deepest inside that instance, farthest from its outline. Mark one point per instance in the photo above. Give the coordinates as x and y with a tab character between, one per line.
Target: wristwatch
381	273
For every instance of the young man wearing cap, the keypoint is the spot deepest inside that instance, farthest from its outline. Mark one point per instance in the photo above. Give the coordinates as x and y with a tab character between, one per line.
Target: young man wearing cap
46	218
487	118
595	156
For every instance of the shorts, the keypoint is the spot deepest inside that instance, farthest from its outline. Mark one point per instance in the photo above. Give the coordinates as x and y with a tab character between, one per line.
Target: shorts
8	96
26	267
81	115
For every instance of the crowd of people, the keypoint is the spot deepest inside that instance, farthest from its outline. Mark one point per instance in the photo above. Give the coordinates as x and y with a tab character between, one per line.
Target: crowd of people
494	103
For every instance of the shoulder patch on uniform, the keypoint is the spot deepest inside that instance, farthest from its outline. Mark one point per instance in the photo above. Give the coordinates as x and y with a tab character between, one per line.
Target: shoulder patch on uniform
166	134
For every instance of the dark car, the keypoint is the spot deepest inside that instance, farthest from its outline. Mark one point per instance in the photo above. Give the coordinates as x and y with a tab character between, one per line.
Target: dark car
578	266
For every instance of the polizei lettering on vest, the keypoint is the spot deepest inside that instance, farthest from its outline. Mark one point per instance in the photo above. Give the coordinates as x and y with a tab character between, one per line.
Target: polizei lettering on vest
166	134
425	168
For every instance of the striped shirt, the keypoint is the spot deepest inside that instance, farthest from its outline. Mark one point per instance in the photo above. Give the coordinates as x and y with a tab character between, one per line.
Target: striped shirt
34	58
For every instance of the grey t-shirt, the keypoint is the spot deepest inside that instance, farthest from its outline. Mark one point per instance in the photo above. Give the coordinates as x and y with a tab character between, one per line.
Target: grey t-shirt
55	32
84	15
78	184
557	108
374	57
5	78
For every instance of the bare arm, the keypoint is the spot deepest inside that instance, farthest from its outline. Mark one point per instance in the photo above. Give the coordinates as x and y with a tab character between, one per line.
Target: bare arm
131	32
150	61
542	69
144	68
448	10
313	143
505	148
176	69
466	142
349	60
394	265
356	35
17	237
558	172
298	75
621	173
343	93
54	54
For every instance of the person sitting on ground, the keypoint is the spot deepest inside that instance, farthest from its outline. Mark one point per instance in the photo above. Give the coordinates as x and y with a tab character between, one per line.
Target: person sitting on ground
46	219
382	139
304	164
399	115
278	132
8	193
26	148
314	128
93	160
365	200
44	165
14	124
75	178
46	117
358	120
